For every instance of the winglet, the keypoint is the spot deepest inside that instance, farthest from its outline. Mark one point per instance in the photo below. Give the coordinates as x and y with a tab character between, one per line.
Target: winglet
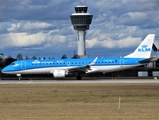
93	62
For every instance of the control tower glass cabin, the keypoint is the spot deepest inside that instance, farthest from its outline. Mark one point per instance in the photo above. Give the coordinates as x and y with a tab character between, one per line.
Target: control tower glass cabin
81	21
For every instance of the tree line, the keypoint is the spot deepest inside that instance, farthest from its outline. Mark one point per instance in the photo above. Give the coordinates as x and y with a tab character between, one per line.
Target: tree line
4	61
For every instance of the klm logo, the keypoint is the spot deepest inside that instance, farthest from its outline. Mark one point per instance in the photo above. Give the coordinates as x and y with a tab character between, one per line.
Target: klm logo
144	48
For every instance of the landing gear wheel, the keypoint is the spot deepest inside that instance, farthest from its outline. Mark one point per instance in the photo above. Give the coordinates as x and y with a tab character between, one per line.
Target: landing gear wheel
79	77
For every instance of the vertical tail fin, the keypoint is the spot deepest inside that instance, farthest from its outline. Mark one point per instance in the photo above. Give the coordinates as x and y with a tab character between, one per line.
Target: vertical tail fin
144	49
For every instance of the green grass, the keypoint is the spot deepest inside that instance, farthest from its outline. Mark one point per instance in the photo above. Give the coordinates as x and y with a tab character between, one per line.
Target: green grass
79	102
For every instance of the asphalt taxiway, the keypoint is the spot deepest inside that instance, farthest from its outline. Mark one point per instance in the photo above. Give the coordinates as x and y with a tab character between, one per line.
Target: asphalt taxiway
78	81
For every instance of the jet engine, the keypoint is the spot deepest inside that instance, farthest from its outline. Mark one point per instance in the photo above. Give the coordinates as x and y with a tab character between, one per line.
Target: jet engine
60	73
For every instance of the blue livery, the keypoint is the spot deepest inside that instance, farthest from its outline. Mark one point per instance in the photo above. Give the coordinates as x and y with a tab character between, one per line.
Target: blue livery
64	67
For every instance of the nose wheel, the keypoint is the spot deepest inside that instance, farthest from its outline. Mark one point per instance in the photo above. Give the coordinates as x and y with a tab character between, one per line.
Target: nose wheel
19	76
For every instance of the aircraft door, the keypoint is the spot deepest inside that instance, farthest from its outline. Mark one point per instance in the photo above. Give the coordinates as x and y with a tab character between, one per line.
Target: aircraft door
121	61
23	65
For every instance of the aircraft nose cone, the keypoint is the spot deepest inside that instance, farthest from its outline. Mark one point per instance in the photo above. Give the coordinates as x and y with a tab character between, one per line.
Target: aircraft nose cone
4	70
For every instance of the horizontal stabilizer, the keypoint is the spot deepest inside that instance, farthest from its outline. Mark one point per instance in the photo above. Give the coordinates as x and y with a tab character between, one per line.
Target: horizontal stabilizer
151	59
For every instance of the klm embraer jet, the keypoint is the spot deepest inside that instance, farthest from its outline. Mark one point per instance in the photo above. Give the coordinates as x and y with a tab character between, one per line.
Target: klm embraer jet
64	67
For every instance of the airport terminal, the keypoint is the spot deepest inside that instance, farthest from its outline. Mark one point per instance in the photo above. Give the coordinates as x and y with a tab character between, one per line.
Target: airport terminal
81	21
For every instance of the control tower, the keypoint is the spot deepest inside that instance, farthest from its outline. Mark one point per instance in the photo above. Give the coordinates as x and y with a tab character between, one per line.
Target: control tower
81	21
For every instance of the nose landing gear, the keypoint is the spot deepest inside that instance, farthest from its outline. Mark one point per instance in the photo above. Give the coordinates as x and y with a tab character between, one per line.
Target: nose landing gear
19	76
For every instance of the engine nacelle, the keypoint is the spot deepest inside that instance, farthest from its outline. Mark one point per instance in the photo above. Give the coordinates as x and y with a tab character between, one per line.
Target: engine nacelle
60	73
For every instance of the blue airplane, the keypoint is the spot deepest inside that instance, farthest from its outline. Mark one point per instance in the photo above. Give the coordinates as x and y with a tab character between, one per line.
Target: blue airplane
64	67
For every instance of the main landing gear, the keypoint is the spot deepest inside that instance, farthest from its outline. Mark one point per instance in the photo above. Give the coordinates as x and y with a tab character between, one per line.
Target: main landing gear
79	77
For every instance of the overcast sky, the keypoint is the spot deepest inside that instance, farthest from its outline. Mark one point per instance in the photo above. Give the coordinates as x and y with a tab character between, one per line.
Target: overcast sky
43	27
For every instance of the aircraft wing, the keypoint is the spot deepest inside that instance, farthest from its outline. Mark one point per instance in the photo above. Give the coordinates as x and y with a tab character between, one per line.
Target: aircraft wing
83	69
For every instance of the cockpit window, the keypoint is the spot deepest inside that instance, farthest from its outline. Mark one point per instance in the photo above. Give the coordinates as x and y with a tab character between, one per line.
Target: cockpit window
12	64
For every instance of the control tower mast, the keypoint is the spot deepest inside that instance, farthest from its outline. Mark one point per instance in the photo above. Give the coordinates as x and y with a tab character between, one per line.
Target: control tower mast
81	21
